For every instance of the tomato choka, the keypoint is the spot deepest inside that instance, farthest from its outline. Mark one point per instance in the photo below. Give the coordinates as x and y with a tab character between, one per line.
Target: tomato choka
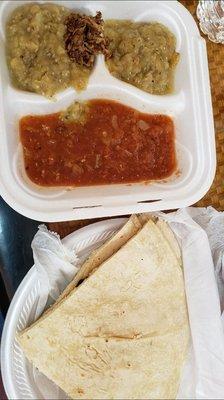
115	144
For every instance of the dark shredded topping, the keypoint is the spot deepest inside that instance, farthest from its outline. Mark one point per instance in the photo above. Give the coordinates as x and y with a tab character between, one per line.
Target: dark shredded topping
84	38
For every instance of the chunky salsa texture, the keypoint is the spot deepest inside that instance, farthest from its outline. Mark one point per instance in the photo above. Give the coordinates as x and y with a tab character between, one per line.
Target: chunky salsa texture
112	144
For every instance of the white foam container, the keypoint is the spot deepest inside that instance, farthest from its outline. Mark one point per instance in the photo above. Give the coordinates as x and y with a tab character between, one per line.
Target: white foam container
190	107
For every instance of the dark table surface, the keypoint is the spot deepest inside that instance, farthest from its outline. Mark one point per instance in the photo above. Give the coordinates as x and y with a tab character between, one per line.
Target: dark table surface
16	234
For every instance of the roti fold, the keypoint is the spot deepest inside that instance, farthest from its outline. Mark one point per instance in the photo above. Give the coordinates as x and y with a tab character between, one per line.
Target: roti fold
101	254
165	230
124	332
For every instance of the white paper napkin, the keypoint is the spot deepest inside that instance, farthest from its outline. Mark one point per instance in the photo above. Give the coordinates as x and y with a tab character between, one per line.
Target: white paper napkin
203	302
56	265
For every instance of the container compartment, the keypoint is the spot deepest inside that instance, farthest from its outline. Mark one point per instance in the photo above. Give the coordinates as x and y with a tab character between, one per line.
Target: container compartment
189	106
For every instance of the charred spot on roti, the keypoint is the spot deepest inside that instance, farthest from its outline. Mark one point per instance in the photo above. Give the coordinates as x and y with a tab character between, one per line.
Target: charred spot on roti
80	281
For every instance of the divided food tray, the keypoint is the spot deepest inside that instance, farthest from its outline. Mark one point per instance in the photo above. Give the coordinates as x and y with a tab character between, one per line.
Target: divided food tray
189	106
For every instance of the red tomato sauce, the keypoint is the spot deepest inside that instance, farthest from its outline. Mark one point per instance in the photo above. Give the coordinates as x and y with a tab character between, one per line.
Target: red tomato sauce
117	144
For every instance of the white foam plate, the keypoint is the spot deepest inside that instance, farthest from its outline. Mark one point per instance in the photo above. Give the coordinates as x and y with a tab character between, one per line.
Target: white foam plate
189	106
17	372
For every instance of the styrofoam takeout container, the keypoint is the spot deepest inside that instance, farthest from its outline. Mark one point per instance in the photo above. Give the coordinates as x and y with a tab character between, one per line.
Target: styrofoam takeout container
189	106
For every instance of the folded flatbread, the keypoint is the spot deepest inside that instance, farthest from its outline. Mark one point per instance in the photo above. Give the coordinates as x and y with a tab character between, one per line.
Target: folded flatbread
98	256
123	333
